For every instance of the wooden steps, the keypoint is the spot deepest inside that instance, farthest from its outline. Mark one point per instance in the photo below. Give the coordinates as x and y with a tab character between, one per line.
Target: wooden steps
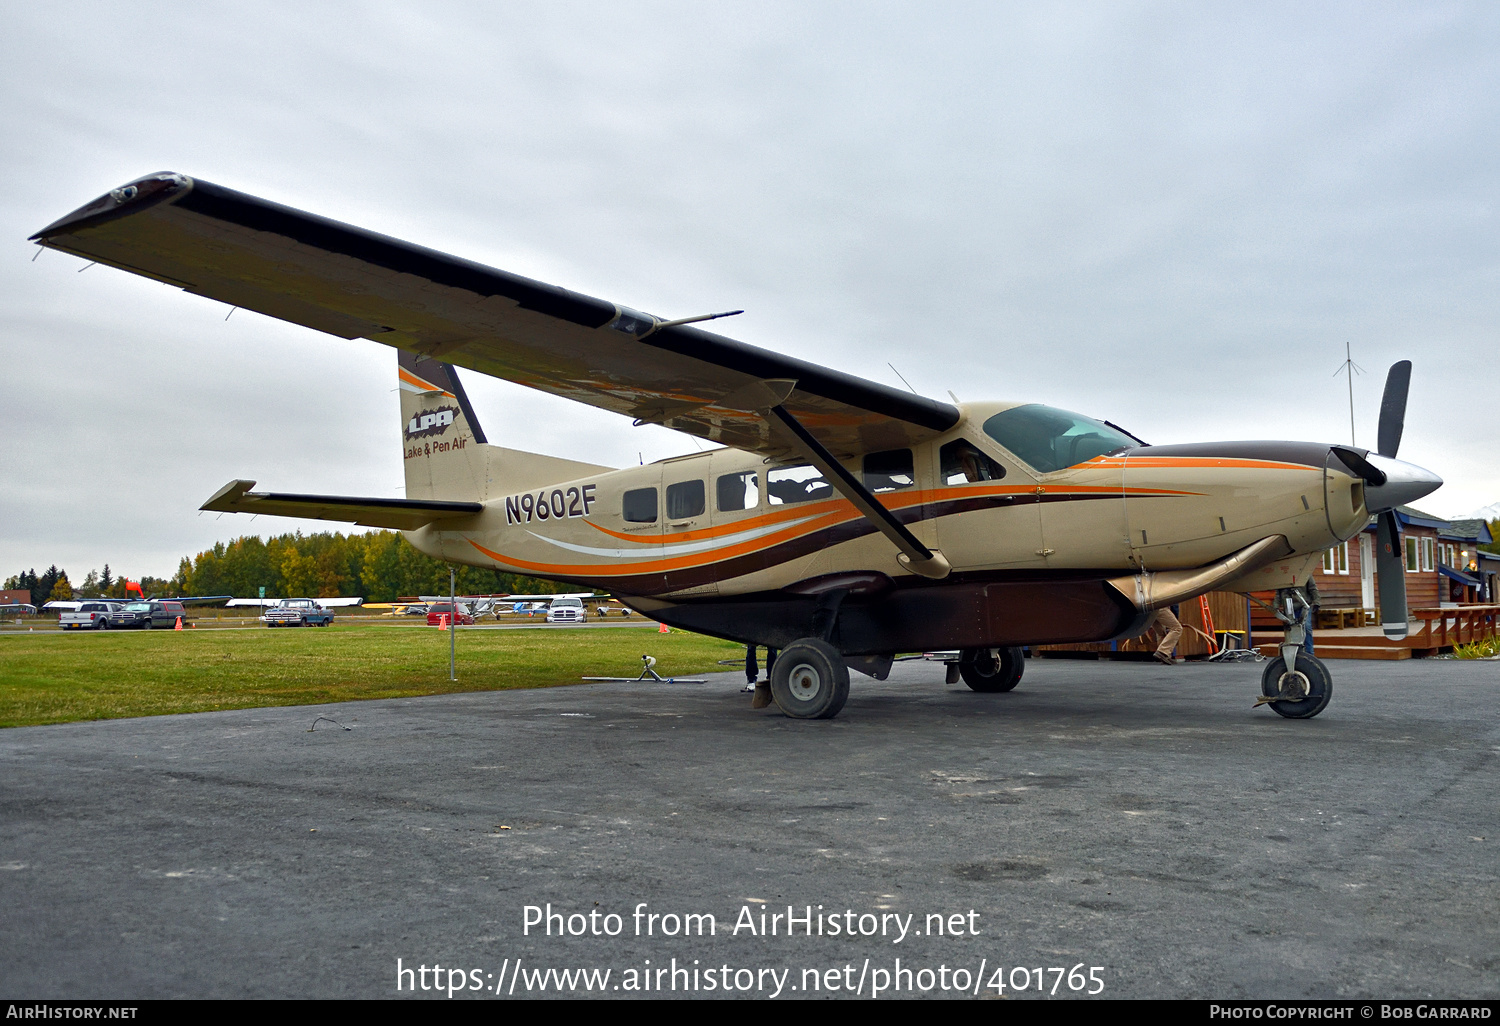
1361	652
1372	650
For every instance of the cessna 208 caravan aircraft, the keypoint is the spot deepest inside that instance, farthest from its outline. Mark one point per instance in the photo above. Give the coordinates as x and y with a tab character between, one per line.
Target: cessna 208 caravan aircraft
842	521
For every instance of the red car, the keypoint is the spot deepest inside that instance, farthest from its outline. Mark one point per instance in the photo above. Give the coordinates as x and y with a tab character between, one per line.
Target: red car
438	610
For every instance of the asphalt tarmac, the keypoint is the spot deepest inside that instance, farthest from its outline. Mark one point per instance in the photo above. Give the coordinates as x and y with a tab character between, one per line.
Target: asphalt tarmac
1137	818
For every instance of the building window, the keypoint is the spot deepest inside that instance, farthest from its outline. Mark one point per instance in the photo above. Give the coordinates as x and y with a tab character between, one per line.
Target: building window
1413	563
1336	559
1428	545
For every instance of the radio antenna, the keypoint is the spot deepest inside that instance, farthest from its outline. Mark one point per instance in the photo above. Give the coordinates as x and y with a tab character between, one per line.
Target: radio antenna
1350	368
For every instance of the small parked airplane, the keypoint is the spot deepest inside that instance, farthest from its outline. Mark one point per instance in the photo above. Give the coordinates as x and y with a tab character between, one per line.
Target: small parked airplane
842	522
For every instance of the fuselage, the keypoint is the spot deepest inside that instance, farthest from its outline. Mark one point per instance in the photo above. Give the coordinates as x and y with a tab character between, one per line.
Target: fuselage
726	523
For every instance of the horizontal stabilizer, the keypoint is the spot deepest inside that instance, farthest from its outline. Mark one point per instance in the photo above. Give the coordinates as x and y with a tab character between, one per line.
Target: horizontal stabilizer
400	514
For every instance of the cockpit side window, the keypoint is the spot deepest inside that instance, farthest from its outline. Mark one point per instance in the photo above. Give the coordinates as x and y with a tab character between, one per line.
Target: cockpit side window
1049	439
961	462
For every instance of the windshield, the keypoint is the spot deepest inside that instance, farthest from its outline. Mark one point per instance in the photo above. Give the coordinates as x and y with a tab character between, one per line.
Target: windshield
568	602
1050	439
138	607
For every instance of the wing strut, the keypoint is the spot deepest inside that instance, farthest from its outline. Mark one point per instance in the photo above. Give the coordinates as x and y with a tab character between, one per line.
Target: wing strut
915	556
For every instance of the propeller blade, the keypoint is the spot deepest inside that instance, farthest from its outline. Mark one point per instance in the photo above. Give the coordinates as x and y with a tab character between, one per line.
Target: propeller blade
1358	465
1390	570
1393	408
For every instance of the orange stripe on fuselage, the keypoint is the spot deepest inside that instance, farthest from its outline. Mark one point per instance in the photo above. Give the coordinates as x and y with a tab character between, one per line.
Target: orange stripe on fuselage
651	566
905	500
825	514
832	512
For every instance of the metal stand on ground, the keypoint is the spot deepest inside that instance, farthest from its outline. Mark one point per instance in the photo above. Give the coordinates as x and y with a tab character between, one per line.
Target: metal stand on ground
452	621
648	673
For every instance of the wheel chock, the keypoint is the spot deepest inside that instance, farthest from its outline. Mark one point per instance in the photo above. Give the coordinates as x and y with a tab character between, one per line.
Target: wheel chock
762	695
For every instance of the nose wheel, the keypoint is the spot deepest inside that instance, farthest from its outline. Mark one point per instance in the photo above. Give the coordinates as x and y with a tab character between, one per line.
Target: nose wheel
1298	693
1295	684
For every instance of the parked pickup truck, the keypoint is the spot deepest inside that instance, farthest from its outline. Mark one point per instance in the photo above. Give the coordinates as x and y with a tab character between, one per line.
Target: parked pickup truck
297	612
146	615
91	616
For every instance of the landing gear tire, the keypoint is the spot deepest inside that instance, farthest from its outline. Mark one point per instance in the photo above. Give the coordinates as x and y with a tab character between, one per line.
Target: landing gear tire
810	680
1308	688
982	671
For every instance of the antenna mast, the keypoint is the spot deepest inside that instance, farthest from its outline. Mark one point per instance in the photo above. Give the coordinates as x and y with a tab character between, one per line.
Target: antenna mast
1350	368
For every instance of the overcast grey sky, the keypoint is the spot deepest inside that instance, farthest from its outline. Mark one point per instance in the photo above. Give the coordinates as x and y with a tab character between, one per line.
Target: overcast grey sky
1171	215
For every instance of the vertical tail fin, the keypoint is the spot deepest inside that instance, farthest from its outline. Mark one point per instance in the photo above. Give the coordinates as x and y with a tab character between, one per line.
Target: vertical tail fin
446	453
440	435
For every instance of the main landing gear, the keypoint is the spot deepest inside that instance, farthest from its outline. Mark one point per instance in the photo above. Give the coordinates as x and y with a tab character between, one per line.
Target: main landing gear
810	680
1295	684
991	670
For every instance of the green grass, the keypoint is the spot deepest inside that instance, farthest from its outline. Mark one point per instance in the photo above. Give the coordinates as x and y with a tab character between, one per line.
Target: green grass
1485	649
59	677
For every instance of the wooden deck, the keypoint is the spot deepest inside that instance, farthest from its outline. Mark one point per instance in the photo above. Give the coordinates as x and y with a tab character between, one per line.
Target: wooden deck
1429	632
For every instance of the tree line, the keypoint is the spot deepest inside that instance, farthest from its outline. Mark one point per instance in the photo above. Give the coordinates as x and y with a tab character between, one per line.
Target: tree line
380	566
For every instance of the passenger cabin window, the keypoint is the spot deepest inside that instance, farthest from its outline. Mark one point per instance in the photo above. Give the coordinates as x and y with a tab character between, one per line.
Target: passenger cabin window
961	462
684	499
738	491
799	483
640	506
1049	439
889	471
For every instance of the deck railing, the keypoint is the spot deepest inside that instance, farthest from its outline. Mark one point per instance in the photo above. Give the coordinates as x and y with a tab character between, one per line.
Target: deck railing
1456	625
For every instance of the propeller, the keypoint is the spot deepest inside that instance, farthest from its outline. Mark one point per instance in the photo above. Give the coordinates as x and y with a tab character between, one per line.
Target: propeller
1393	409
1390	571
1390	562
1390	483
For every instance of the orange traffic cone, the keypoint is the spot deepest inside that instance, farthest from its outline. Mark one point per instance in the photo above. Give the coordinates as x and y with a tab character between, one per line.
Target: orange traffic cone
663	629
179	624
443	622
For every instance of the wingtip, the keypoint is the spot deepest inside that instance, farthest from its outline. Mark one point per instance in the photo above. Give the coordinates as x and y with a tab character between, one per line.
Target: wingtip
226	499
133	197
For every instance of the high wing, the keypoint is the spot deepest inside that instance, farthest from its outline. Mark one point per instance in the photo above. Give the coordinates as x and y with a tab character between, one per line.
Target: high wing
353	283
400	514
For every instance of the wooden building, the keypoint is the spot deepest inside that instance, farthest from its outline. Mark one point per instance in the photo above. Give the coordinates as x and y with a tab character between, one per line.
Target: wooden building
1348	580
1458	562
1489	573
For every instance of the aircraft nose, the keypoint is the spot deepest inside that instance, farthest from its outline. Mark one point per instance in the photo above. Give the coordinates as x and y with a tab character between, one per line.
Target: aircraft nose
1404	483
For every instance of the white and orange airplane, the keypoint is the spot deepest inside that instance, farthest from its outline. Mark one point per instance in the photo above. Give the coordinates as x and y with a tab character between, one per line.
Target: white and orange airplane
842	521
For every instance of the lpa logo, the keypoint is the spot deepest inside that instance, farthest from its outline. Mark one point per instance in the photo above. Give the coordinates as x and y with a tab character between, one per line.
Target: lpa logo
430	422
